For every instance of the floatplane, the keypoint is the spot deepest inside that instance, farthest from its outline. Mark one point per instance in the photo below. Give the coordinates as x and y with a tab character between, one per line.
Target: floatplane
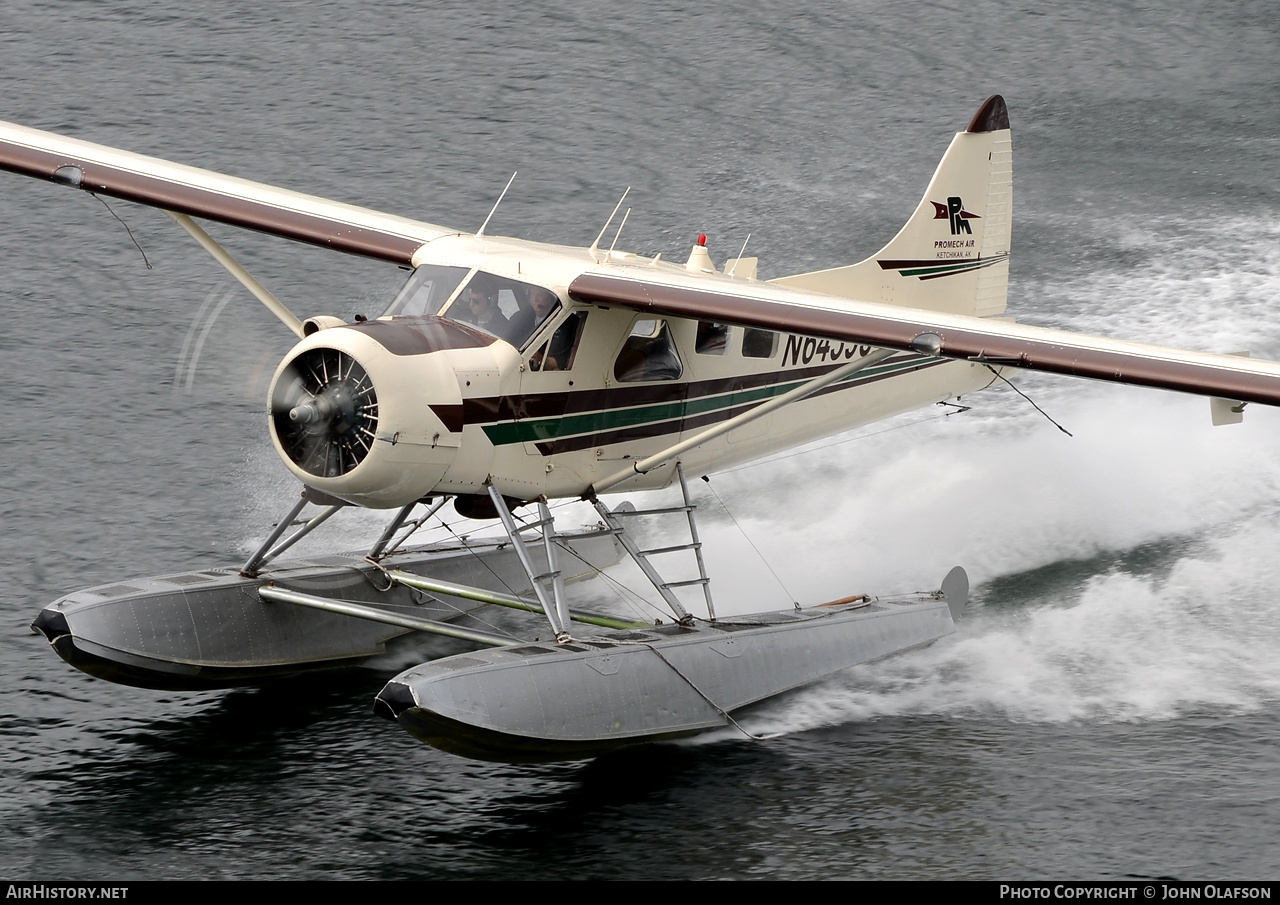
508	374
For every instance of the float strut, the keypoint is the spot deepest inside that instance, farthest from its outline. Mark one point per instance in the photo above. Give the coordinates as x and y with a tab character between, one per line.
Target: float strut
550	607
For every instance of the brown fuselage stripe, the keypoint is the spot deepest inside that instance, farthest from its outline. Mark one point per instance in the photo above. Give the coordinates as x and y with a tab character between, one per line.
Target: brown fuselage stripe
115	182
491	409
678	425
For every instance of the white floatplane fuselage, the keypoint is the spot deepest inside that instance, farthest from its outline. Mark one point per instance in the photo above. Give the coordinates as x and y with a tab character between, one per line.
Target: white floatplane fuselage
459	408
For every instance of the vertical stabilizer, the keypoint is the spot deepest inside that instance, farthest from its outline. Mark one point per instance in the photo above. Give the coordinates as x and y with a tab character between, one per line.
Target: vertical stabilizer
953	254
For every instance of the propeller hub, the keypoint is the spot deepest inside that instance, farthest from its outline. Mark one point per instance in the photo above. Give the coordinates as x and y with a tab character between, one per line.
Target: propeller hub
313	411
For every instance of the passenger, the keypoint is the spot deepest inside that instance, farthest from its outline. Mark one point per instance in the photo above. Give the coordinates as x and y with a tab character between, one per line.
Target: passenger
527	320
648	357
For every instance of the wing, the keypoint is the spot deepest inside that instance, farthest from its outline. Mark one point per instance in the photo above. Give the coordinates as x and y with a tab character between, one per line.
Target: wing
955	336
201	193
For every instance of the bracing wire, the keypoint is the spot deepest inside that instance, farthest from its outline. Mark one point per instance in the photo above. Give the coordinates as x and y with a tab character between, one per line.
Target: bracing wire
768	565
126	229
1029	399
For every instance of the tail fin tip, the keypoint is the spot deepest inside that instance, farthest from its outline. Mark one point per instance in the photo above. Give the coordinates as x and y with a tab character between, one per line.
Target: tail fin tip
992	116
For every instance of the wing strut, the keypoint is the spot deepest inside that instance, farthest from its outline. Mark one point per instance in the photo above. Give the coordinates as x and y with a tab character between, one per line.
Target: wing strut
643	466
223	257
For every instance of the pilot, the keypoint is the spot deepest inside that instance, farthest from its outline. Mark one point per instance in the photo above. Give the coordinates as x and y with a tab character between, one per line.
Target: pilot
528	319
482	299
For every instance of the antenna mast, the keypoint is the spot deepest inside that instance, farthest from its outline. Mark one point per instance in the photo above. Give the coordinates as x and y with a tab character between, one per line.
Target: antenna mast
595	246
480	231
740	254
608	254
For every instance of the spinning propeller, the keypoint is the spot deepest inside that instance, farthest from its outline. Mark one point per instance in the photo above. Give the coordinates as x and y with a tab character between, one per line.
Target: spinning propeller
325	412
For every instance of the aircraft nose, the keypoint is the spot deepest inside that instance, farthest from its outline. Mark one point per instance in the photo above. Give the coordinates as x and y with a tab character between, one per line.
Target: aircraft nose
357	415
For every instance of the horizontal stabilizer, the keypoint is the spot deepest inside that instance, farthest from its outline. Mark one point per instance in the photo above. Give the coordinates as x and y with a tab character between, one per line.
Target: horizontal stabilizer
1227	411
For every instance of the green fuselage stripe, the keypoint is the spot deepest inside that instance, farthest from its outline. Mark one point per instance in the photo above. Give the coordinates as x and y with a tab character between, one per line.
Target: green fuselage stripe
507	432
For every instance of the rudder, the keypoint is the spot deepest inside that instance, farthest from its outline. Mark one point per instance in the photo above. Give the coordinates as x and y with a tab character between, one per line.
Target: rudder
953	254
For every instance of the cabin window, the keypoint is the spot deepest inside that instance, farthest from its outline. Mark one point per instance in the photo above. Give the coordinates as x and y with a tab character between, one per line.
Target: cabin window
759	343
427	289
557	353
712	338
648	354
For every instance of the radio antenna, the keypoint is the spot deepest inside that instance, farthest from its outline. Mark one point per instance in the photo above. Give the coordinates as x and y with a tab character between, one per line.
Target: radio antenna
480	231
739	257
595	246
609	253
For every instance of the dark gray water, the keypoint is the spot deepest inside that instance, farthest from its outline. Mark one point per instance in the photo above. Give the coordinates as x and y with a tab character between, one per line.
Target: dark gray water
1111	705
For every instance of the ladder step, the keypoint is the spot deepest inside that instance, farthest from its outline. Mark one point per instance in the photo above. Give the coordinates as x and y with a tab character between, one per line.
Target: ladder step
545	575
676	549
531	525
655	511
603	532
685	584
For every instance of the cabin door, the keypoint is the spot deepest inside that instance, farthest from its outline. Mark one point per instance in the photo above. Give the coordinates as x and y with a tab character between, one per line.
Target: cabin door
552	383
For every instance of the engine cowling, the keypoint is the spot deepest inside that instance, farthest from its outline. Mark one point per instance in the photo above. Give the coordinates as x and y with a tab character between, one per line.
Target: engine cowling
351	412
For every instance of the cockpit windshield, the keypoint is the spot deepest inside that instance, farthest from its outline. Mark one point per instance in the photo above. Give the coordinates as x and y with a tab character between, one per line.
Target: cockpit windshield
428	288
508	309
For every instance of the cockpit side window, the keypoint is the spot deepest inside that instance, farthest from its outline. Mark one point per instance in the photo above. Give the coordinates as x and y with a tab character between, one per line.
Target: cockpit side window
648	354
558	353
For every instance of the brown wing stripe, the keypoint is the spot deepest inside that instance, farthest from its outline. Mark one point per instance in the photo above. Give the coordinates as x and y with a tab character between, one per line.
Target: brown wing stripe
175	196
1033	353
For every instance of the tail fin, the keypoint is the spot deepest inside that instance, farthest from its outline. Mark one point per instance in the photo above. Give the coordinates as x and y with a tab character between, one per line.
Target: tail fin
953	254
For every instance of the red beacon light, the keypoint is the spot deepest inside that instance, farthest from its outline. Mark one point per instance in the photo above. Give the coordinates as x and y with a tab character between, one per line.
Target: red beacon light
699	259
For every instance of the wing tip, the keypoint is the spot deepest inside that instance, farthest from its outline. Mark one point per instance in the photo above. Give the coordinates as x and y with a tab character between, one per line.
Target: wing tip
992	116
